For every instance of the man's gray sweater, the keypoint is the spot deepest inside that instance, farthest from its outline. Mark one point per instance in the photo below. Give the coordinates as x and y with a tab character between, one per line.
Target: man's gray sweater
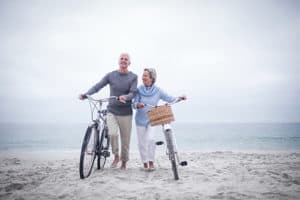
120	84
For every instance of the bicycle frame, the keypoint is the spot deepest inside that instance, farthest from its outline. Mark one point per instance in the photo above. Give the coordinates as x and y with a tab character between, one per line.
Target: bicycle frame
171	149
97	105
169	134
101	115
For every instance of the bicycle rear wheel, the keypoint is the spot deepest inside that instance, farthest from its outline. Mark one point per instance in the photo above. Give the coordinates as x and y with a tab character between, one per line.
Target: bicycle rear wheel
170	146
88	151
103	149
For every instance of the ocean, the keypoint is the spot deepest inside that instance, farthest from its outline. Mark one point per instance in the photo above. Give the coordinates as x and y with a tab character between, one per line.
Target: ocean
203	137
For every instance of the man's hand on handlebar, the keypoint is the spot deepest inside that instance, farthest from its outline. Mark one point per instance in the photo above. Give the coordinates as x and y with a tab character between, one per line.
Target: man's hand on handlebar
122	99
82	97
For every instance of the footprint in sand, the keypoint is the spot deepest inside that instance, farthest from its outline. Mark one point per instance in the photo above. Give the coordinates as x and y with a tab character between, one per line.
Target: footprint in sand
12	161
14	186
63	196
296	181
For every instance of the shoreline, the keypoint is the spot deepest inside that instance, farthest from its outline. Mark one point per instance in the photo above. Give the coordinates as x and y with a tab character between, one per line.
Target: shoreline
135	151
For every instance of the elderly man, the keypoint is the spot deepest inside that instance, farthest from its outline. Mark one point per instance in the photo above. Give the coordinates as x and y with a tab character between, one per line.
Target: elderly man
123	84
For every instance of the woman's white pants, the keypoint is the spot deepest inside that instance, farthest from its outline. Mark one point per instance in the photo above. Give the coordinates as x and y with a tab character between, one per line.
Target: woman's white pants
146	143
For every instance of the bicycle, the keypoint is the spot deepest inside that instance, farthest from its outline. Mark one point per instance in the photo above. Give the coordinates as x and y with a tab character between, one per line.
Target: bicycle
162	115
96	140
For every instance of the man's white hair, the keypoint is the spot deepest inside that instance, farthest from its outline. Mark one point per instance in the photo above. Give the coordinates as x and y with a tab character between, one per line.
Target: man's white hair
127	54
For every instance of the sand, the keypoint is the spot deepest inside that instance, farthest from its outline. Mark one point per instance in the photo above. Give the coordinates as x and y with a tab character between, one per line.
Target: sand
209	175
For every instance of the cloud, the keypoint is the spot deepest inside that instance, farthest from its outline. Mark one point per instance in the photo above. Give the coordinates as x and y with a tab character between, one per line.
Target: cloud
229	58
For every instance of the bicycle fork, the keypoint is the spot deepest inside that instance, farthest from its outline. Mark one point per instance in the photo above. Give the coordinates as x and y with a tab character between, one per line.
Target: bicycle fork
172	145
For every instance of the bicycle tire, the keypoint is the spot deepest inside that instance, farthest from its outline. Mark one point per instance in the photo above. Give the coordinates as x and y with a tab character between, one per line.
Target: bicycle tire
171	151
101	156
88	154
174	169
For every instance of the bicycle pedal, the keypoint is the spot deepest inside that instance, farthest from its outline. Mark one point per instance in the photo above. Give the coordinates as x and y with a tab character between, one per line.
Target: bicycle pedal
183	163
159	143
105	148
106	153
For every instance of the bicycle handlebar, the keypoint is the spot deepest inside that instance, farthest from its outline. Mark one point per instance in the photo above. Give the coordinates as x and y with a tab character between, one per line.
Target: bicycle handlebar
178	99
101	100
96	104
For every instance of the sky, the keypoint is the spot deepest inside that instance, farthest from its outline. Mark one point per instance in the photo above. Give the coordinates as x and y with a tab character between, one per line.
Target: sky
236	61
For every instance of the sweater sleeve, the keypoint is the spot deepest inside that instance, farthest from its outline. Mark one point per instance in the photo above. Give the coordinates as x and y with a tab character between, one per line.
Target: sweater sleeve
136	100
99	85
164	96
132	90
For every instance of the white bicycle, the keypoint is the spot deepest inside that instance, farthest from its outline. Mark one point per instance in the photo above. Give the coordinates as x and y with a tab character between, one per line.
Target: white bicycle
162	115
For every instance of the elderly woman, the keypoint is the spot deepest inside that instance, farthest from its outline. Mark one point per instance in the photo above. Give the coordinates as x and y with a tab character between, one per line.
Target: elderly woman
148	94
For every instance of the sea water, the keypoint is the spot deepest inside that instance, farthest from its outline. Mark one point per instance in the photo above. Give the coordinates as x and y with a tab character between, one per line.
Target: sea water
189	136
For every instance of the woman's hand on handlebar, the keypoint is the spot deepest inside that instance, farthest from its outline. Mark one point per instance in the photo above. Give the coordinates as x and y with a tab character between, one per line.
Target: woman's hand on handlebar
183	97
140	105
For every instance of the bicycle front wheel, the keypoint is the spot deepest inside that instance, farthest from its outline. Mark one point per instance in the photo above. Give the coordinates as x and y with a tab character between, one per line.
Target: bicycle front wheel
171	150
88	151
174	168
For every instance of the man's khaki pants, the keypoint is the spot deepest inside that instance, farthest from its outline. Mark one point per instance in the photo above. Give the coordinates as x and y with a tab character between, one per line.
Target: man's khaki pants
120	124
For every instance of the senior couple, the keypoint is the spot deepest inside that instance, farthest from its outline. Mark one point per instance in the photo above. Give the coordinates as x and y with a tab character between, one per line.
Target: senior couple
123	84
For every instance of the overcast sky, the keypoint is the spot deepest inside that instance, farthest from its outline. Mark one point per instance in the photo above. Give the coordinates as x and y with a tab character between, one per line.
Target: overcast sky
237	61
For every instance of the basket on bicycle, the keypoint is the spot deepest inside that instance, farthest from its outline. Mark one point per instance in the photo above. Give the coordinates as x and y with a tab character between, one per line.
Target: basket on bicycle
160	115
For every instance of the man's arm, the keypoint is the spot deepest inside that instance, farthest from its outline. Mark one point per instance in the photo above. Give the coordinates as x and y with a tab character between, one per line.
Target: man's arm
132	90
98	86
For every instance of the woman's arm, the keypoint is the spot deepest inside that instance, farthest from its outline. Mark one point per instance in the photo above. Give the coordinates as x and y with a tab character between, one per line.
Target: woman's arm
136	101
166	97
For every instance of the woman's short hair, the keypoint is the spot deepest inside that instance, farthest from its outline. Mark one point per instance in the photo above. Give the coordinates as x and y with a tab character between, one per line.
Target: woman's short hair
152	73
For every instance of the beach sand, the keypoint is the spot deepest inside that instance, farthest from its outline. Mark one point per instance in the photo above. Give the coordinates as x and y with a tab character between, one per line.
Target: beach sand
209	175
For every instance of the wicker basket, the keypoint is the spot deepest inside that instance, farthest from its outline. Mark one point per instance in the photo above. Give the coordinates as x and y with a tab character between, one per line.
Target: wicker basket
160	115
